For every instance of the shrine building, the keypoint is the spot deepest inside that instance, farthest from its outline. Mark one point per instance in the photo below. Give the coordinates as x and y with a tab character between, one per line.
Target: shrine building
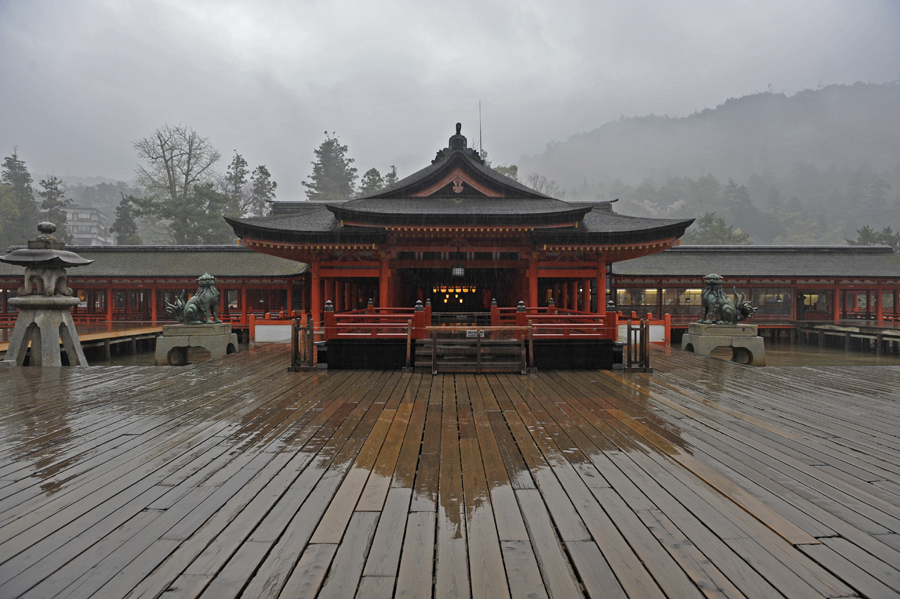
458	235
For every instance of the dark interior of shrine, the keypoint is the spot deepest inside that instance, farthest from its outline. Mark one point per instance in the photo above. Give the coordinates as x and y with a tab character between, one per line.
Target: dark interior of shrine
471	292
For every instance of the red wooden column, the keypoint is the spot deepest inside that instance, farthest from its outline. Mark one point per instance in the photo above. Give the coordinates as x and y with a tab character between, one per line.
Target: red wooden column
354	297
384	299
601	288
244	305
563	302
153	304
315	293
109	303
879	310
573	295
338	295
836	303
586	295
532	283
290	300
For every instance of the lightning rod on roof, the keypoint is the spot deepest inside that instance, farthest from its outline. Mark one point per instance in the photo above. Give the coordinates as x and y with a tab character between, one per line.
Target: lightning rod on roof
480	148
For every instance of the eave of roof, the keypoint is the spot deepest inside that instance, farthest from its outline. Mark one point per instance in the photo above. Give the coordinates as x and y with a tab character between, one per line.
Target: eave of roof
751	261
186	261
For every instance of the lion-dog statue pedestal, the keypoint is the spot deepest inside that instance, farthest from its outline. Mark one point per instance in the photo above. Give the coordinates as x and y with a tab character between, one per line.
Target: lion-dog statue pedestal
747	347
720	326
44	303
200	327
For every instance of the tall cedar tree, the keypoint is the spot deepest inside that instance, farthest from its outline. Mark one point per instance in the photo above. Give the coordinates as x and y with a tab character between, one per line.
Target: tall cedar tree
54	206
332	178
262	192
177	177
125	227
19	213
370	183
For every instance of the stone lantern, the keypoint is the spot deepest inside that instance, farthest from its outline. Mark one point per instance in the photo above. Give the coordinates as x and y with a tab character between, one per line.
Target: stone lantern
44	303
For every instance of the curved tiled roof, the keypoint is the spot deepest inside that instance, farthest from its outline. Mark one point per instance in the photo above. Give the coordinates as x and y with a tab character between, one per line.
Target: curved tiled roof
221	261
845	261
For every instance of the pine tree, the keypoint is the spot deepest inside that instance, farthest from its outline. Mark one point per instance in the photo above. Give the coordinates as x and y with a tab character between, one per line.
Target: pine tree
125	227
234	181
54	206
370	183
332	178
19	213
262	191
391	177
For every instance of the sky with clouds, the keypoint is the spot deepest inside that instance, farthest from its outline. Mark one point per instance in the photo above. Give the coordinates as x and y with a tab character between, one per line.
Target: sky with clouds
81	80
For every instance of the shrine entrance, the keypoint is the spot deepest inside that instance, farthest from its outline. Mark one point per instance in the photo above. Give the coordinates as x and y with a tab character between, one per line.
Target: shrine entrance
471	292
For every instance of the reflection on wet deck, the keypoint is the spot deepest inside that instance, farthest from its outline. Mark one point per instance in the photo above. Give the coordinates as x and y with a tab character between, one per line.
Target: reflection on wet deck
235	478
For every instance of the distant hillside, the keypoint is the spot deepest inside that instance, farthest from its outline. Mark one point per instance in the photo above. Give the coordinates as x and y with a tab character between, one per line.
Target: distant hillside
838	125
809	168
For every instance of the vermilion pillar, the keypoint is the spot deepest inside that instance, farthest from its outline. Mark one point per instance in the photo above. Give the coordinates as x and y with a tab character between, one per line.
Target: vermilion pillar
532	284
153	304
837	303
384	274
573	295
315	293
244	305
586	295
601	288
338	295
879	311
109	304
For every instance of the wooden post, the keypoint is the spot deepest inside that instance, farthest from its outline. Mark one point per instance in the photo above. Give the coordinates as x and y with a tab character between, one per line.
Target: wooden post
532	283
153	302
879	310
433	352
419	320
289	309
110	300
601	288
573	295
409	328
384	274
315	294
427	315
667	320
531	343
244	319
495	313
586	295
478	334
329	321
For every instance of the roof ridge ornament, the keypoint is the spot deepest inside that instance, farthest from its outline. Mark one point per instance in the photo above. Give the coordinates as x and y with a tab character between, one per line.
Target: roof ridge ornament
458	143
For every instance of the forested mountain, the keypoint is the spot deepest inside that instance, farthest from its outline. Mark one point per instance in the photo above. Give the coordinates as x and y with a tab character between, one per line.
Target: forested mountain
814	166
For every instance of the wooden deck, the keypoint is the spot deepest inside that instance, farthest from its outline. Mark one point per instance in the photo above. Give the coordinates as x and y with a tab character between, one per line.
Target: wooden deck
235	478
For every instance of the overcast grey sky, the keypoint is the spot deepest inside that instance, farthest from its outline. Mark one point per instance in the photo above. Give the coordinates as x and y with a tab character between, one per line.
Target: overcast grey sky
80	80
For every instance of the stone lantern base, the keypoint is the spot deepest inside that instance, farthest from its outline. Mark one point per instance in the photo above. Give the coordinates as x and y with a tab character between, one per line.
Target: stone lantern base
44	321
747	347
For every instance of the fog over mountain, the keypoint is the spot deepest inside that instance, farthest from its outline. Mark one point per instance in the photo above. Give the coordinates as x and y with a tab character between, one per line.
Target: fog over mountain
830	155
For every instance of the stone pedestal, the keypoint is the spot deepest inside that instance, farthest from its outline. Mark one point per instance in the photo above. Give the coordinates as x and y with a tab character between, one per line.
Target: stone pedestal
172	345
44	320
746	345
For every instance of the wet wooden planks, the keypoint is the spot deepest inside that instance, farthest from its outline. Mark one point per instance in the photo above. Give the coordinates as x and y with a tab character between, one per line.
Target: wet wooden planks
235	478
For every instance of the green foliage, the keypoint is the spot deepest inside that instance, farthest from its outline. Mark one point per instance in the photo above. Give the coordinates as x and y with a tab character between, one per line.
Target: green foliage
125	227
234	181
262	192
19	213
177	178
511	171
391	177
333	177
710	229
54	206
370	183
868	236
244	200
